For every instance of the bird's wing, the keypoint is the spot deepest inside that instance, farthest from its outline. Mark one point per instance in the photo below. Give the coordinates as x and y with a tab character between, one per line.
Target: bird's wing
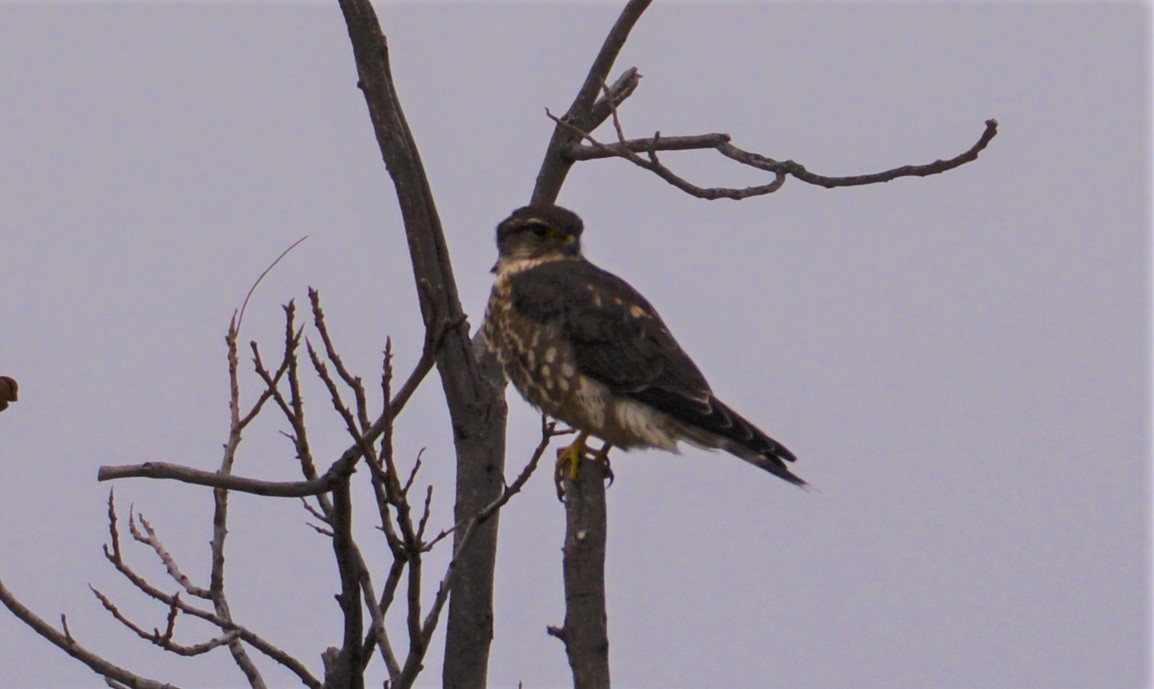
619	339
616	335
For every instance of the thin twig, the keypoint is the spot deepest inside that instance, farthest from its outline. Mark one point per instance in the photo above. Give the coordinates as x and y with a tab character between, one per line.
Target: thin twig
354	382
292	340
65	642
164	640
466	534
153	541
548	432
113	555
220	516
244	304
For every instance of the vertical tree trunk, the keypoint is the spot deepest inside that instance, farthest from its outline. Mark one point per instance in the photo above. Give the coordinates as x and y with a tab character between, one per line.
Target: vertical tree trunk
480	478
473	390
586	630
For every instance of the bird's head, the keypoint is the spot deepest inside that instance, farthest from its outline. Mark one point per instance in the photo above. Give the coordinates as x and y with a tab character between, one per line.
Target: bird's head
535	234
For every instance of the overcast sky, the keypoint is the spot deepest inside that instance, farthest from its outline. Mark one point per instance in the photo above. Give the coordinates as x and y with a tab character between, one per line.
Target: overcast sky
961	363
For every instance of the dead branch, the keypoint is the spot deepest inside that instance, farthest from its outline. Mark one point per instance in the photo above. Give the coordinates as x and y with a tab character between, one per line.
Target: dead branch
220	513
65	642
345	670
599	151
623	150
177	472
164	639
113	554
586	113
353	382
465	533
630	150
585	630
614	96
472	391
150	539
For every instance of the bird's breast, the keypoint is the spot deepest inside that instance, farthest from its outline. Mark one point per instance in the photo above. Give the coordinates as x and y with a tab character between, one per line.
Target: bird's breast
536	357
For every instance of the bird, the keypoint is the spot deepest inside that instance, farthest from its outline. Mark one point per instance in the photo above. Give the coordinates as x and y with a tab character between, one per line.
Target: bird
8	391
583	346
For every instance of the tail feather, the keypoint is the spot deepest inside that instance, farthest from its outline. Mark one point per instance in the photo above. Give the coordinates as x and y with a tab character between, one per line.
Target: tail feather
731	432
754	446
708	422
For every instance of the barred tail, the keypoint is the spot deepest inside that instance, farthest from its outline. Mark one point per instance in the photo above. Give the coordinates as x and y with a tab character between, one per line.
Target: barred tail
742	439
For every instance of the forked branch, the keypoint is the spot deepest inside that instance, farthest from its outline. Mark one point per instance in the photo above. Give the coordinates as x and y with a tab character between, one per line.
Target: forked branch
65	642
631	150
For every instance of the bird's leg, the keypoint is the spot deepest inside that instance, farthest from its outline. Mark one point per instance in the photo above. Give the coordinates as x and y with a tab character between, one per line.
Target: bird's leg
569	462
602	458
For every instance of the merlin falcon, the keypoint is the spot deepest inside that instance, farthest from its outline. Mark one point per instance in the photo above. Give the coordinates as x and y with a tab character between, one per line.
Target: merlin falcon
584	347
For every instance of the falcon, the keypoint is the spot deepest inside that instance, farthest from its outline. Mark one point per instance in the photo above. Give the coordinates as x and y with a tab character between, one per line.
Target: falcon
583	346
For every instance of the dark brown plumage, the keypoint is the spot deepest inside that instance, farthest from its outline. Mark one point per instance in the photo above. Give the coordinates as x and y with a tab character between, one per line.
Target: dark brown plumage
585	347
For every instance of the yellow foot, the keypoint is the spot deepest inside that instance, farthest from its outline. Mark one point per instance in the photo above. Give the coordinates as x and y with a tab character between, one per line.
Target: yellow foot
569	462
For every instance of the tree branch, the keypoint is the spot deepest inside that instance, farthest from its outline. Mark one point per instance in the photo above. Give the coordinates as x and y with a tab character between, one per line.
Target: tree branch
629	149
798	170
114	556
613	97
177	472
152	540
585	113
65	642
345	670
220	512
164	640
599	151
465	533
473	390
585	632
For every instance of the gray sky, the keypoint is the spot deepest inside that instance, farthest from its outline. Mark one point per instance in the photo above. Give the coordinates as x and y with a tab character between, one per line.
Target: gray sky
961	362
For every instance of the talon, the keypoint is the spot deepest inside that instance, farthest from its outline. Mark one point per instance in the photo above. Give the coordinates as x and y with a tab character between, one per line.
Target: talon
602	458
569	460
569	463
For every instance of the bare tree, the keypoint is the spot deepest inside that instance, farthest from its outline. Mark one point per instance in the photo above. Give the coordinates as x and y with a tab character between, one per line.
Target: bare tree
473	386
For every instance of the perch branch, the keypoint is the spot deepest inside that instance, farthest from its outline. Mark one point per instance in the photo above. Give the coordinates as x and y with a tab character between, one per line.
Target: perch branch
585	631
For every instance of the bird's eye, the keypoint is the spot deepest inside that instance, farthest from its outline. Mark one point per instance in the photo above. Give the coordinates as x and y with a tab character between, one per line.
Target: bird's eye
540	230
